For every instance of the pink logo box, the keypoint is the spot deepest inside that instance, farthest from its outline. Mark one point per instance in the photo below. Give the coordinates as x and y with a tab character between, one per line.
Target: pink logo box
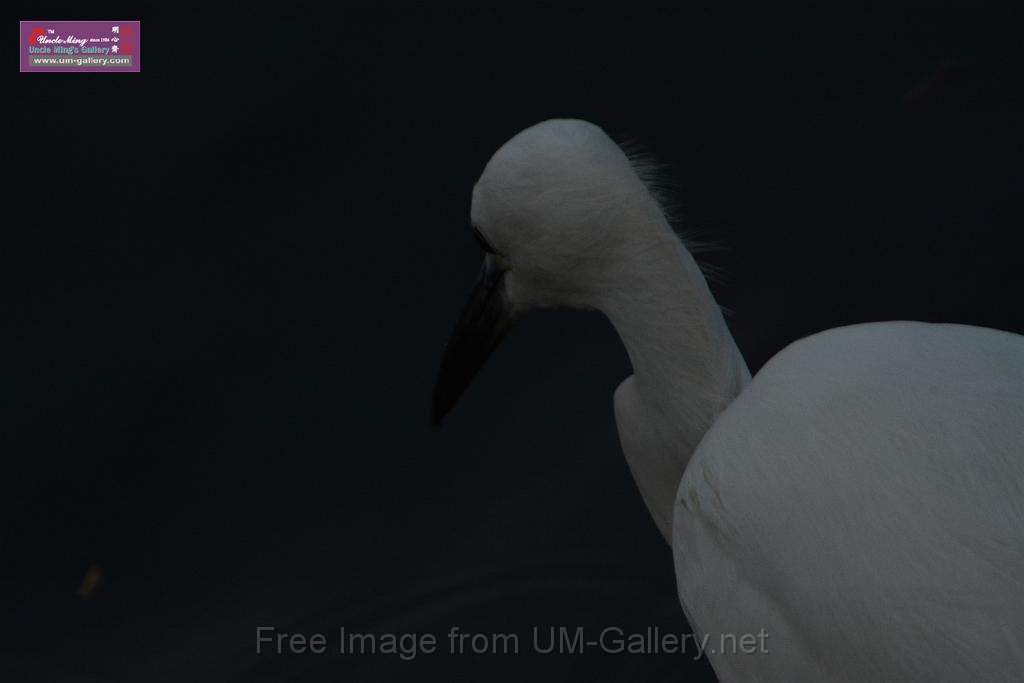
80	46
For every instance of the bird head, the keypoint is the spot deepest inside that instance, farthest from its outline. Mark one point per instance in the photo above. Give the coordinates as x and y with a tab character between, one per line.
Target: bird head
549	212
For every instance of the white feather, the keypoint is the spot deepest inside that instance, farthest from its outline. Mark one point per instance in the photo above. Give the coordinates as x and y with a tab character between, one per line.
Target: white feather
860	500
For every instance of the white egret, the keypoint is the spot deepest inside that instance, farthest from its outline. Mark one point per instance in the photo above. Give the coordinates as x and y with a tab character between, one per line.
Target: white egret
861	499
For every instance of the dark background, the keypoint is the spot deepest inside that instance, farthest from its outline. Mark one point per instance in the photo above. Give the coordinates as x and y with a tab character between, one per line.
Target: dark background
228	281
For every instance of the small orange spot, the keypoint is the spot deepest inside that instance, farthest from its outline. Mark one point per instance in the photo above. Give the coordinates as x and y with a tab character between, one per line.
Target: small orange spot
937	86
90	585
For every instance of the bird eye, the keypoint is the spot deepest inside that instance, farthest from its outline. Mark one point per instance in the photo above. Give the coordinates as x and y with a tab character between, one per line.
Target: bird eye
482	241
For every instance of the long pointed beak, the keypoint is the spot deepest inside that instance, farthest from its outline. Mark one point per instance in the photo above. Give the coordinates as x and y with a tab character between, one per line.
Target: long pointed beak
484	322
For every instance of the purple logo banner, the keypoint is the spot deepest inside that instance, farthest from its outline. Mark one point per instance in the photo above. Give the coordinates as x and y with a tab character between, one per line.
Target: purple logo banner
80	46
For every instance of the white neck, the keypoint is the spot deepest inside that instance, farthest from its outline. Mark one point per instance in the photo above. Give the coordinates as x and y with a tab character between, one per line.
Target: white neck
687	368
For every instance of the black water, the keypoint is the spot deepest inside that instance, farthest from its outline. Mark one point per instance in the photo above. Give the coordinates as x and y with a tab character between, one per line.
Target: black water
228	281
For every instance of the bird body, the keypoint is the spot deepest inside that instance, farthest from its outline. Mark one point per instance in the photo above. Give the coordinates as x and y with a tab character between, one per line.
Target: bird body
857	507
862	501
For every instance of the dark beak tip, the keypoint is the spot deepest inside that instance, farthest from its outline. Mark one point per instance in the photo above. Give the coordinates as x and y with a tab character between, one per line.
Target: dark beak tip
440	405
480	329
